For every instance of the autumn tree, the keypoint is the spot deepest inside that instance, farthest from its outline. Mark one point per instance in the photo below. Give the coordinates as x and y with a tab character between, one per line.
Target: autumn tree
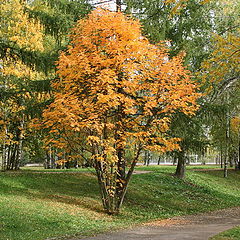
56	18
31	35
116	92
20	38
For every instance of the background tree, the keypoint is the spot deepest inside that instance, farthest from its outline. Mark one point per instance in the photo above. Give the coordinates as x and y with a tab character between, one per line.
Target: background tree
193	138
220	73
28	52
57	17
177	22
18	36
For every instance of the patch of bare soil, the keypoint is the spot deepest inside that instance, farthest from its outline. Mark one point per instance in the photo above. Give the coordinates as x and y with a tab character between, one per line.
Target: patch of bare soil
141	172
168	222
209	169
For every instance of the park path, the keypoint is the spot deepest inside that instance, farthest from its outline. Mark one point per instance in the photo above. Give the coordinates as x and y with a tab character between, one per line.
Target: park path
193	227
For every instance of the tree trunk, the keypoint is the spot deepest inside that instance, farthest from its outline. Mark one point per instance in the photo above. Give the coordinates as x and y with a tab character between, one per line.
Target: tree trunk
4	151
227	153
231	159
226	157
50	159
181	165
47	160
112	186
225	170
12	159
221	157
113	182
237	167
145	157
12	152
121	176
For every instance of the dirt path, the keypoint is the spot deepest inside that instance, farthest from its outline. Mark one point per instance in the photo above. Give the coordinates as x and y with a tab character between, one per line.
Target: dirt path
195	227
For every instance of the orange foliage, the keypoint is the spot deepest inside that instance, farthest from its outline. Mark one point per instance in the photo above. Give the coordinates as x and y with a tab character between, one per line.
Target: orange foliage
235	125
116	93
116	88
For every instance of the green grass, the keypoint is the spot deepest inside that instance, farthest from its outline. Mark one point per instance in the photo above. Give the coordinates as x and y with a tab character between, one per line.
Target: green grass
35	205
232	234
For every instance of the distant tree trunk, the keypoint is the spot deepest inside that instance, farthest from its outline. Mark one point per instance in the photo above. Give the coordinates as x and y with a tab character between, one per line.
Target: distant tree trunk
221	157
181	165
47	160
226	160
50	159
159	160
4	156
18	157
175	159
231	159
237	167
227	157
13	151
10	154
146	158
13	158
227	150
5	150
225	170
4	146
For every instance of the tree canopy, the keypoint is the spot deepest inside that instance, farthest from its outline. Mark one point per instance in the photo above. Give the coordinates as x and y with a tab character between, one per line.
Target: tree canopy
116	91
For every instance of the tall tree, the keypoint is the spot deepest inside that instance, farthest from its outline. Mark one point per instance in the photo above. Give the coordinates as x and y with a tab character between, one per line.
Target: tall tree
19	37
116	92
30	38
220	73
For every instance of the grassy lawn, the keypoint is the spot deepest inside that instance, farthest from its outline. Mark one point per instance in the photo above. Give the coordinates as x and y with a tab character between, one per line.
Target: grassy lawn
232	234
36	205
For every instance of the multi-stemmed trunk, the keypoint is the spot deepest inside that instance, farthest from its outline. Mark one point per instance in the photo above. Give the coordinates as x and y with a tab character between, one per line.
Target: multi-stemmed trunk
113	182
112	192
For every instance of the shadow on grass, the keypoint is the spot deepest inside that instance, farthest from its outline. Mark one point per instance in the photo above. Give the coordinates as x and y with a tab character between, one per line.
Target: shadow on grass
163	194
152	195
75	189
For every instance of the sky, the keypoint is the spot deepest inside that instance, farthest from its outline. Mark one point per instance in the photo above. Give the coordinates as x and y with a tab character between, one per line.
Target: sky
111	4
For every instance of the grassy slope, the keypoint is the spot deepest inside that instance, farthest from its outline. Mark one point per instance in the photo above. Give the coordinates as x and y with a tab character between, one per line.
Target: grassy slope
37	205
232	234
